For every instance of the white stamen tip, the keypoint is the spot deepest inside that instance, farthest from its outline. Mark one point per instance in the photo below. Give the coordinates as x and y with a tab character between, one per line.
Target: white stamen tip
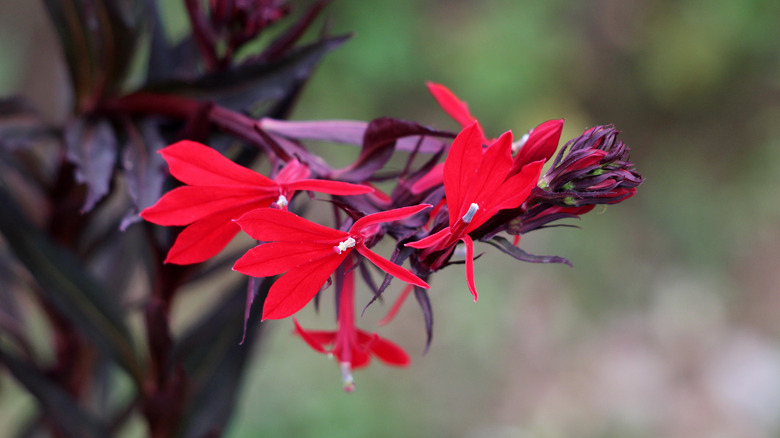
516	146
349	243
281	202
471	212
346	376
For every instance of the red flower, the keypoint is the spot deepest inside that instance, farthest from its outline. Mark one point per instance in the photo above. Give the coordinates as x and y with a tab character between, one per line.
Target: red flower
309	253
539	143
351	346
477	185
218	191
456	108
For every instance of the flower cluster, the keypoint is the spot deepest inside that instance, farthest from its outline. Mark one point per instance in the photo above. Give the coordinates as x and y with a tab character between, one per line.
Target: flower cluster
484	187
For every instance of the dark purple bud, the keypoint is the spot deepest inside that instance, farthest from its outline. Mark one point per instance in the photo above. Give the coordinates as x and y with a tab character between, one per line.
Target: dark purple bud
594	168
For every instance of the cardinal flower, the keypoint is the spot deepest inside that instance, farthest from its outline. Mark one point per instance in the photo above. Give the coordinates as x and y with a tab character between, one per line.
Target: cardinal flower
477	185
537	144
308	254
218	191
351	346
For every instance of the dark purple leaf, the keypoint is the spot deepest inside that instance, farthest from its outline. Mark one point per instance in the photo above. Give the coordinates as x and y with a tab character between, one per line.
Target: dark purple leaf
336	131
379	143
121	24
425	305
59	406
73	31
144	169
247	86
21	125
98	38
91	146
343	131
252	289
214	360
167	62
285	41
65	284
507	247
11	317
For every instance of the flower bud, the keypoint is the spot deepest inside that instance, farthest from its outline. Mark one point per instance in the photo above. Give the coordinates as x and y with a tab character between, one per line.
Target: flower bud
594	168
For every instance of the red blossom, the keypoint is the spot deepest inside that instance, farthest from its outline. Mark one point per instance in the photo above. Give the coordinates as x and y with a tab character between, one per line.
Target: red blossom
455	108
351	346
308	253
477	184
539	143
217	191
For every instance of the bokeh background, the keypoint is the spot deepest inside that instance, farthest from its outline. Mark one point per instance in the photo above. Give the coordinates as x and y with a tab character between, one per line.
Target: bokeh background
669	324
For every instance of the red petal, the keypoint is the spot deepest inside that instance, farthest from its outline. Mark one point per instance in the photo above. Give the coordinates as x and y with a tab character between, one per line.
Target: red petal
491	174
397	305
311	340
389	353
324	337
292	171
197	164
386	216
329	187
512	193
390	267
204	239
293	290
275	258
359	357
460	167
184	205
449	102
540	145
470	265
270	224
591	159
431	240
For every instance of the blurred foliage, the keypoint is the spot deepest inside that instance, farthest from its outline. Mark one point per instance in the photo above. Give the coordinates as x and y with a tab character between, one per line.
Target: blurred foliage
670	315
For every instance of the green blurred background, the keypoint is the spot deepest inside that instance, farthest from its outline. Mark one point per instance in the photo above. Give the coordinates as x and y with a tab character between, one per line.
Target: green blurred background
669	323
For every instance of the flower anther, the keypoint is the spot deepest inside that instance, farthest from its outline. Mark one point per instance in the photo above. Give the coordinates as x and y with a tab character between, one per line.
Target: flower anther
349	243
473	208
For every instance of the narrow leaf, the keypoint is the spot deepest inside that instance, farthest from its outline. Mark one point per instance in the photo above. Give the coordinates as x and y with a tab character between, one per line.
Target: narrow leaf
58	405
92	146
214	360
379	142
425	305
144	168
20	125
67	285
344	131
507	247
246	86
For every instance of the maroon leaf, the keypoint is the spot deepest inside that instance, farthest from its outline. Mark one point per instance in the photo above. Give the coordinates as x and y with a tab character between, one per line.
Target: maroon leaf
287	40
20	125
92	146
379	142
507	247
144	169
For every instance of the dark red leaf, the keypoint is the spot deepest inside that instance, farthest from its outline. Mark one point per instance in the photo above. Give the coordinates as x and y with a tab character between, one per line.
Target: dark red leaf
92	147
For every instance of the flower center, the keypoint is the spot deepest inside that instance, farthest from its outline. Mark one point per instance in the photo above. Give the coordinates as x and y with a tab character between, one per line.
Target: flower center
349	243
281	202
470	213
